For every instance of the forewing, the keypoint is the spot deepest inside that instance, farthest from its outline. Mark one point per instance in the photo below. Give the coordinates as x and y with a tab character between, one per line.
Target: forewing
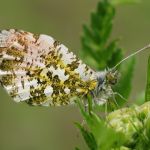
41	71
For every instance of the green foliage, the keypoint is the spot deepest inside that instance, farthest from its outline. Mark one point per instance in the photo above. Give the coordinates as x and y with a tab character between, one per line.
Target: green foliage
123	129
95	38
88	137
102	53
140	99
96	133
147	91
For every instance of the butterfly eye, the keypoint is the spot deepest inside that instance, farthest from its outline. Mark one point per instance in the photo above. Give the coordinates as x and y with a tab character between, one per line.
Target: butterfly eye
112	78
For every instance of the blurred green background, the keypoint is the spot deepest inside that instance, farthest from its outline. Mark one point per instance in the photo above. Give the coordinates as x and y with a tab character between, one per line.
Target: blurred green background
24	127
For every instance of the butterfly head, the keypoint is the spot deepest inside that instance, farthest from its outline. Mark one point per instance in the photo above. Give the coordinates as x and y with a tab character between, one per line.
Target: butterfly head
107	77
112	77
105	80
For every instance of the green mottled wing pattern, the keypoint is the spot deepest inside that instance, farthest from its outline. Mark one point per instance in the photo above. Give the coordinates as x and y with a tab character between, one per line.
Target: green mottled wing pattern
41	71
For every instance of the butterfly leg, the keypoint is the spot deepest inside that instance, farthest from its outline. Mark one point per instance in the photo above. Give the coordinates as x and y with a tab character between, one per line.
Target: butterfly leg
99	101
122	97
85	101
114	99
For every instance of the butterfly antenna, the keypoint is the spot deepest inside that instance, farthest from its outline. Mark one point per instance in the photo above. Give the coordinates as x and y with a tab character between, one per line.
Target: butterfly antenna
140	50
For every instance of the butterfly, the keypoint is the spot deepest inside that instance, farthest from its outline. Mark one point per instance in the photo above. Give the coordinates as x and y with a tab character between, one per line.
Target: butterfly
39	70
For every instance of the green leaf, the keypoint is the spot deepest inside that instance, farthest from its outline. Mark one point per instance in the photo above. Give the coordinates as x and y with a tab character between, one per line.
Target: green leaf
99	132
147	127
88	137
147	91
114	54
140	98
123	87
95	37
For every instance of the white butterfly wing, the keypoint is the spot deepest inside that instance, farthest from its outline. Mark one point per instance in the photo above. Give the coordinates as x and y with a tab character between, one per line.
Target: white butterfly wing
41	71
